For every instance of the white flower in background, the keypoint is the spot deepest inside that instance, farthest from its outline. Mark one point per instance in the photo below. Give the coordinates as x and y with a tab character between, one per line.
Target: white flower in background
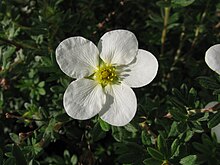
215	130
212	58
104	76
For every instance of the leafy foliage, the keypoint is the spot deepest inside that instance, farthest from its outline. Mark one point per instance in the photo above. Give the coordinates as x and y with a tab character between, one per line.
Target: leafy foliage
172	125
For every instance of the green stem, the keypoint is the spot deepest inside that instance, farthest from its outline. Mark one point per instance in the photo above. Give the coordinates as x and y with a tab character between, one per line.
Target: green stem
12	116
178	52
164	32
198	27
16	44
211	109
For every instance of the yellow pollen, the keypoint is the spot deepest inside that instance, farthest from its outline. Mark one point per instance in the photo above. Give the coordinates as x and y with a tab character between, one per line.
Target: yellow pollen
106	74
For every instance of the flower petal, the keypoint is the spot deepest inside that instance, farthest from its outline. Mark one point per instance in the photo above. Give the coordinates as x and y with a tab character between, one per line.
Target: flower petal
212	58
118	47
83	99
216	130
211	104
141	71
120	106
77	57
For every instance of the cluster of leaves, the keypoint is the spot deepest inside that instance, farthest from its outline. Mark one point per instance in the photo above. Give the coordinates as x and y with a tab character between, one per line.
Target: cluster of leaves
171	125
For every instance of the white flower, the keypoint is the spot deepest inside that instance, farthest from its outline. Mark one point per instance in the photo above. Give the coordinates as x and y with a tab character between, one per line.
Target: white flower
215	130
104	76
212	58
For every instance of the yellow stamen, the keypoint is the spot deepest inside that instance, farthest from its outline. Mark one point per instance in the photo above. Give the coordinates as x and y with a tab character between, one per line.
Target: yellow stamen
106	74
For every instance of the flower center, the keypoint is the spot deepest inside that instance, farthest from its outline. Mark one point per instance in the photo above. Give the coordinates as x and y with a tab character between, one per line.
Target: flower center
106	74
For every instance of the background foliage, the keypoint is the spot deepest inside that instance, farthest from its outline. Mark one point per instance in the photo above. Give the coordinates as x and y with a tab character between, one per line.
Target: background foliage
171	125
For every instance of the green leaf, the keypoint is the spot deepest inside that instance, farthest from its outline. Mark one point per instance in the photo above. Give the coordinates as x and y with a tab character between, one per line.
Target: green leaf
182	3
189	160
206	140
74	160
19	156
178	114
130	128
155	154
174	146
216	92
156	17
161	144
192	96
62	117
130	153
10	161
41	91
174	18
214	120
57	89
105	126
7	54
33	162
127	158
196	127
117	133
201	147
163	4
173	25
182	127
189	135
145	138
9	154
66	154
179	96
177	103
151	161
97	132
14	137
208	83
41	84
173	129
184	90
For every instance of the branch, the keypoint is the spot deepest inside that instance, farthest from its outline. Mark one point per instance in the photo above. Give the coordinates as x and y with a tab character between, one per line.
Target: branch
16	44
